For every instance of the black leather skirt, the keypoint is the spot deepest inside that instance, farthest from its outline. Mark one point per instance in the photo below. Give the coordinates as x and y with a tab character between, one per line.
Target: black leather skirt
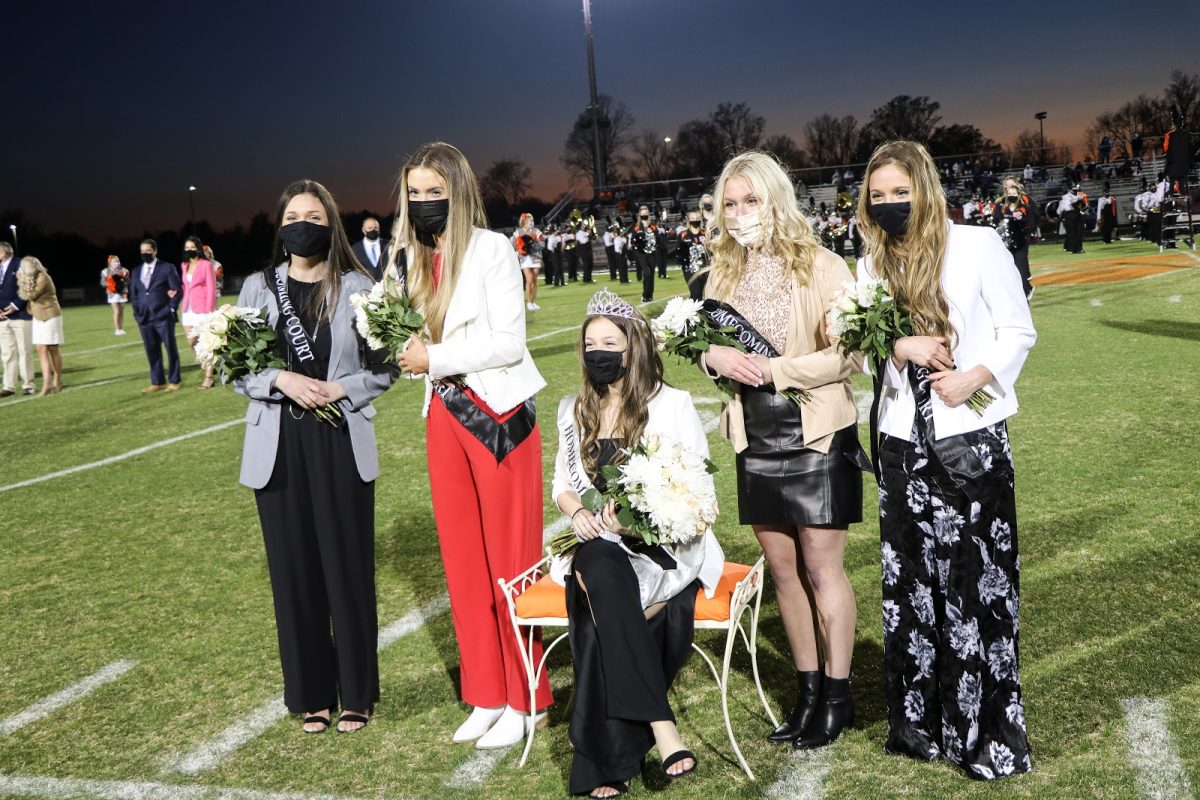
782	482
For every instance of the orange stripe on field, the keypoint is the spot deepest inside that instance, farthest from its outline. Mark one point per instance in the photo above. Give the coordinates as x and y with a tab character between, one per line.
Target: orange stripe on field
1163	259
1079	277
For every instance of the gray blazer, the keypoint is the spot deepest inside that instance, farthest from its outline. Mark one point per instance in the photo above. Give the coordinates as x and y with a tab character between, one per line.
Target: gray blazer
362	385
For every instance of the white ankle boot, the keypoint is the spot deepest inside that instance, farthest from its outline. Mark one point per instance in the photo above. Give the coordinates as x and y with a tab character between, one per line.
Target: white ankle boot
478	723
510	728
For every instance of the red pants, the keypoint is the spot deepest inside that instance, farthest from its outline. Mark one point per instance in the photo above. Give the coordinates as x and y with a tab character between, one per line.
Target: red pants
489	521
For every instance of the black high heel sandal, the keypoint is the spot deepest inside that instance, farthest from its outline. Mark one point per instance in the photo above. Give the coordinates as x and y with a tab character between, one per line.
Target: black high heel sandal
675	758
618	787
314	719
347	716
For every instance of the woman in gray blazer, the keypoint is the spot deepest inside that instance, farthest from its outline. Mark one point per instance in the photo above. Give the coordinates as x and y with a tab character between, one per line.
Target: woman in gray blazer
314	481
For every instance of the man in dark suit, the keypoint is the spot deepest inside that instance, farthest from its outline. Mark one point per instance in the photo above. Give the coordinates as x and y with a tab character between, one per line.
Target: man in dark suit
154	293
16	327
371	251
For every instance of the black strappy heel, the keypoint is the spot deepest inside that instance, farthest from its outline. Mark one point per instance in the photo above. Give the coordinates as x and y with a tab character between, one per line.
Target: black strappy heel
675	758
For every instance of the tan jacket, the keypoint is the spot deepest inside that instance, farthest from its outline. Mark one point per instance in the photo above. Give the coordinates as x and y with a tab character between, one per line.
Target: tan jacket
809	361
43	302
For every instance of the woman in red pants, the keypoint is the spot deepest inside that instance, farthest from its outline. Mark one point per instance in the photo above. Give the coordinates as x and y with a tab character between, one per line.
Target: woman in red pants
484	447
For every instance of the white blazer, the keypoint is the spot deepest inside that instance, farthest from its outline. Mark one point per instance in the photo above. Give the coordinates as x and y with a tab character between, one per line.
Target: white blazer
483	337
992	326
672	416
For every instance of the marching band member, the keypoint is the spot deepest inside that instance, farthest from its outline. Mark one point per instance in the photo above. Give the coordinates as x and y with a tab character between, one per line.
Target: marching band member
692	252
643	244
1070	212
1106	212
1014	219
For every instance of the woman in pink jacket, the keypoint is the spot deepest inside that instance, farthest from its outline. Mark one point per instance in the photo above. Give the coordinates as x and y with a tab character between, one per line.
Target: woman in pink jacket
199	293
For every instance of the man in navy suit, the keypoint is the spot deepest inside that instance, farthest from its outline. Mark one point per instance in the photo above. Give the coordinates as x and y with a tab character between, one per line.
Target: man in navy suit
371	251
16	327
154	293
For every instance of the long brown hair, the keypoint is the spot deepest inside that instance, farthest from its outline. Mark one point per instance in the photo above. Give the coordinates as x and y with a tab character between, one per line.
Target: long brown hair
912	262
340	257
643	378
466	214
791	237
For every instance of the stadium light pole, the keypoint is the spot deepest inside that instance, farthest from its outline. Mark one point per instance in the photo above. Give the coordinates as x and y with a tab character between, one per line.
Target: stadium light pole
598	170
192	209
16	249
1041	118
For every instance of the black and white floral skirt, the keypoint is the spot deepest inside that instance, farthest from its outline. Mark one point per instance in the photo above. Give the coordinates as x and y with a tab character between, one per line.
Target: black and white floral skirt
950	606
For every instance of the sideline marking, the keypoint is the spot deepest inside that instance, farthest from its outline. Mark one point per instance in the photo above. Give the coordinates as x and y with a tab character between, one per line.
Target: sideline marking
475	769
212	752
76	691
104	462
67	390
1160	773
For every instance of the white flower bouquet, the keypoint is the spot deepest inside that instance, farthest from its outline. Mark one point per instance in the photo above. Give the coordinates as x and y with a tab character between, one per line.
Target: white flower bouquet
661	495
866	318
384	317
684	330
239	340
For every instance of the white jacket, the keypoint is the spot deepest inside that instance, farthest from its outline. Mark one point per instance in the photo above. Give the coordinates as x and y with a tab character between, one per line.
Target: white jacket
992	326
483	337
672	416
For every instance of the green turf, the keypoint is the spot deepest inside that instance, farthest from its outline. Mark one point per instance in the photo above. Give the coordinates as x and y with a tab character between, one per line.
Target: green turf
159	559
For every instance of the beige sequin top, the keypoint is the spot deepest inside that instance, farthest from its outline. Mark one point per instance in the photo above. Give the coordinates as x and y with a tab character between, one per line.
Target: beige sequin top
763	295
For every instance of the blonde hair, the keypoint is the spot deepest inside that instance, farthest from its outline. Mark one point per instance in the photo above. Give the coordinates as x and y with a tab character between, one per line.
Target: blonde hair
791	237
27	276
521	221
465	215
642	381
912	262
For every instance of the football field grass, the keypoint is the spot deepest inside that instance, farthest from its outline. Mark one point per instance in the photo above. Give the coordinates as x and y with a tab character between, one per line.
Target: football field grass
139	657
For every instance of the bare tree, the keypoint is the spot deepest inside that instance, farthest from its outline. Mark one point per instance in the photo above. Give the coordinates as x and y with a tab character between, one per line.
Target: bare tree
1026	149
902	117
507	180
697	151
786	150
1183	92
615	122
649	156
739	128
831	140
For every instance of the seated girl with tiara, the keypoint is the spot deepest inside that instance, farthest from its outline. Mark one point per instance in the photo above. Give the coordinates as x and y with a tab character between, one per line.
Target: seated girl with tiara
629	605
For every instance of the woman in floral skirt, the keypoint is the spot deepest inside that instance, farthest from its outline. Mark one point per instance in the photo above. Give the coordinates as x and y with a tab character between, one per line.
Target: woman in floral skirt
947	508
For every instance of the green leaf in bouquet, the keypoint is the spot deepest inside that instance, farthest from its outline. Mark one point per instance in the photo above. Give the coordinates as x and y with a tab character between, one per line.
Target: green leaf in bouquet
413	319
625	516
710	467
592	499
260	345
611	474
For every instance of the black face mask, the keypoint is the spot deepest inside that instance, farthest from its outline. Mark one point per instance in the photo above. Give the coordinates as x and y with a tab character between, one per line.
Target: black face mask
694	224
188	255
708	206
429	216
148	258
604	366
371	235
644	217
892	217
306	239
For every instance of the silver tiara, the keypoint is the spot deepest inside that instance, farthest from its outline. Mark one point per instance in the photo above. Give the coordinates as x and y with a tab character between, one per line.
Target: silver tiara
605	303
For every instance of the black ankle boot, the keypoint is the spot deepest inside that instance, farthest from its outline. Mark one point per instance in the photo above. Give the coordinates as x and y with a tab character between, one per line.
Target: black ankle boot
807	700
834	714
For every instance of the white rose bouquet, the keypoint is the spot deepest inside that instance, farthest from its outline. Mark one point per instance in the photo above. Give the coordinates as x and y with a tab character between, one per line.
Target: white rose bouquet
660	492
866	318
384	316
685	331
238	341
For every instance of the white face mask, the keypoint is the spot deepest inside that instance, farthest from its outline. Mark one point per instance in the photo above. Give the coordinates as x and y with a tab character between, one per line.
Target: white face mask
747	230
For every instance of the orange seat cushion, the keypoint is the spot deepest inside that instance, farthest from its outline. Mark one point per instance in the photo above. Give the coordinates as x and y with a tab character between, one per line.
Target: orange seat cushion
545	598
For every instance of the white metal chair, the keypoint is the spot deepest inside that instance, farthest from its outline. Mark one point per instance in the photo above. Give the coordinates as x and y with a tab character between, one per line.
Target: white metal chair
535	601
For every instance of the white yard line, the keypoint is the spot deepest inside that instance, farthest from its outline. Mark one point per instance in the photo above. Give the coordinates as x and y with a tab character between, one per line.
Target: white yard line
475	769
104	462
1160	773
72	353
252	725
804	775
21	786
76	691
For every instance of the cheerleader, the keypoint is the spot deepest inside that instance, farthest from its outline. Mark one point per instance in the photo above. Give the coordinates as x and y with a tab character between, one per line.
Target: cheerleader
947	510
484	447
115	280
630	606
527	240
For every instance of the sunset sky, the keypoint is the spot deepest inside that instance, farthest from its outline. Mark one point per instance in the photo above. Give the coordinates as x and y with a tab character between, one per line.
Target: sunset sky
113	109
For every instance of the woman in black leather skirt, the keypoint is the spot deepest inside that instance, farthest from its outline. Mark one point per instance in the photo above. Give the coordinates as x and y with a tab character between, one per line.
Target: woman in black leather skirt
799	467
